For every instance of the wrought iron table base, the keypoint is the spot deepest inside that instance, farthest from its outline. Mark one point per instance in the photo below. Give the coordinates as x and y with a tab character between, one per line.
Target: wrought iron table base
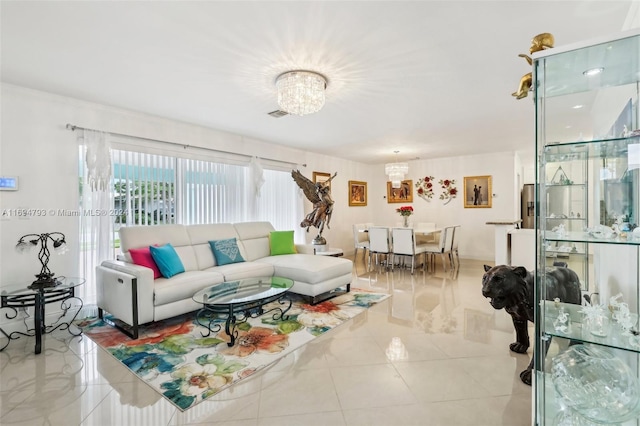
208	315
38	301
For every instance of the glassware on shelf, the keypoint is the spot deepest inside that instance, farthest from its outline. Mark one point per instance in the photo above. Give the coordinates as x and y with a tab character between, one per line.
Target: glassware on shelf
627	322
596	319
571	418
596	384
560	230
622	315
634	341
598	326
563	322
601	232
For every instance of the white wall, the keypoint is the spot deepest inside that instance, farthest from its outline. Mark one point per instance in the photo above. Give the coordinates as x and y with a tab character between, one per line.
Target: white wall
477	238
36	146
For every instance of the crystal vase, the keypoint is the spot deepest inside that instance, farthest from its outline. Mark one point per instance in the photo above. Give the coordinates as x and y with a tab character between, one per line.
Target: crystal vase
596	384
405	221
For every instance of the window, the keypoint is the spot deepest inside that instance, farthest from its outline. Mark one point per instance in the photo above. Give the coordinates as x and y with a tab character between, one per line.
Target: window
144	188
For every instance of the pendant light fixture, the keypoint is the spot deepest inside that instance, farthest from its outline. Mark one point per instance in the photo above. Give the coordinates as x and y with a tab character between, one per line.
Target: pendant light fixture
396	171
301	92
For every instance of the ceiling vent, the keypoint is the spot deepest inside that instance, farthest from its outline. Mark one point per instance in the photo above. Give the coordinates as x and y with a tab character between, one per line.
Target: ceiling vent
278	113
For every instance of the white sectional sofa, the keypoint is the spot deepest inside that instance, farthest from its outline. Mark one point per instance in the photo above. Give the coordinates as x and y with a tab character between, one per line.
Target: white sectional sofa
131	294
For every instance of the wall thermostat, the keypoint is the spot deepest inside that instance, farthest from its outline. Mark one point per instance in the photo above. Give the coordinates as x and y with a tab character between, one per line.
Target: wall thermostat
8	183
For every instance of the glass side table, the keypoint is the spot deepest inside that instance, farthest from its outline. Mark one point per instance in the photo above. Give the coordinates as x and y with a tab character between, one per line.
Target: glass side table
20	296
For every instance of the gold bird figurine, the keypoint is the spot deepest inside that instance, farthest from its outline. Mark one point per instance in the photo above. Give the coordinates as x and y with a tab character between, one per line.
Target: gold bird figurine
540	42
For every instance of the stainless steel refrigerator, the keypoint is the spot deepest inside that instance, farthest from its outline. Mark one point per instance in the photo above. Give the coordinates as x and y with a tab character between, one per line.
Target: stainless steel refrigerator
527	208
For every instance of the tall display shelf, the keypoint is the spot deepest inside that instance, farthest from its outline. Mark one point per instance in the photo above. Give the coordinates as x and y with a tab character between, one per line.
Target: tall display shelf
588	197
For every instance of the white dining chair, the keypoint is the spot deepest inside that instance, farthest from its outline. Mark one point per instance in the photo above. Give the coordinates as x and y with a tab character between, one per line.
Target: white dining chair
454	257
403	241
379	243
442	247
360	239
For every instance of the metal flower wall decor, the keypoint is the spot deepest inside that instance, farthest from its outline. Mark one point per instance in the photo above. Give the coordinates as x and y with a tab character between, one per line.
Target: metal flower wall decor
449	191
424	187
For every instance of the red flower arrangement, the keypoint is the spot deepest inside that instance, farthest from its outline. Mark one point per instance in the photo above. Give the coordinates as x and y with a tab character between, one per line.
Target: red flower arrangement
405	210
424	187
449	191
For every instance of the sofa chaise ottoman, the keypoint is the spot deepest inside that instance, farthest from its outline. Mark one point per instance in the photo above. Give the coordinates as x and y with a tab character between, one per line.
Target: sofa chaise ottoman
133	295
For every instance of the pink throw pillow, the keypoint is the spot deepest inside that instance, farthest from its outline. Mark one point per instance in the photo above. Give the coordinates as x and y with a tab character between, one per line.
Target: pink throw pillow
142	257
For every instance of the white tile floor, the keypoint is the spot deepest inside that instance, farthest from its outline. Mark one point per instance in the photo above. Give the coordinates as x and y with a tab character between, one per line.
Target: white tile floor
458	370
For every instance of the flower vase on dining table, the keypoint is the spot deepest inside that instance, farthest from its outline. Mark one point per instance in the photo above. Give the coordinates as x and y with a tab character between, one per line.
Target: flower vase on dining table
405	212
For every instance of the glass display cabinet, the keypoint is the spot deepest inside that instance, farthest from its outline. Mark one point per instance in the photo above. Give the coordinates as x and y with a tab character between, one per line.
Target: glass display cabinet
587	368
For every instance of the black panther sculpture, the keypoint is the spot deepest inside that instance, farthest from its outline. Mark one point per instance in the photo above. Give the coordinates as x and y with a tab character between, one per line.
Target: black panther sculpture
511	288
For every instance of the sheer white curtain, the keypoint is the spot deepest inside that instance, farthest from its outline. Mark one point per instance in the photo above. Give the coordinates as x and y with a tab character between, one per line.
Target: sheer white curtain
256	173
280	204
211	192
256	180
96	224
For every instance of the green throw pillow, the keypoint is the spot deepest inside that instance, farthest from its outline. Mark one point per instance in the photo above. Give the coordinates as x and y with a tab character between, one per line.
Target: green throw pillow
281	242
226	251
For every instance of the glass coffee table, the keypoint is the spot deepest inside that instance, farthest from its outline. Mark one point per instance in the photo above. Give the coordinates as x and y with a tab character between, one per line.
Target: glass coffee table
240	300
21	297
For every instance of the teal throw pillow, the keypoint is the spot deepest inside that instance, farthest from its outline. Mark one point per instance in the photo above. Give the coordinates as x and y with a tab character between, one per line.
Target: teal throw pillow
281	242
226	251
167	260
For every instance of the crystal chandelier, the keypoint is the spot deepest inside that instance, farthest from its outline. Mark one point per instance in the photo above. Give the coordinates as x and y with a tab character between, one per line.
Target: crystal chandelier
396	172
301	92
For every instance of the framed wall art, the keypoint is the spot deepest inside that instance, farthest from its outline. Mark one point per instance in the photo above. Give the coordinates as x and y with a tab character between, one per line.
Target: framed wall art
404	194
321	177
477	192
357	193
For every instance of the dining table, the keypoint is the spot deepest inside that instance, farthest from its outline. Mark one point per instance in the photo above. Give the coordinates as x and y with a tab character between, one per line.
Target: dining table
419	231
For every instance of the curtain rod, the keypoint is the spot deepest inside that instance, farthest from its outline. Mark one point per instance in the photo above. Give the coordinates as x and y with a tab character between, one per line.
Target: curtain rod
73	128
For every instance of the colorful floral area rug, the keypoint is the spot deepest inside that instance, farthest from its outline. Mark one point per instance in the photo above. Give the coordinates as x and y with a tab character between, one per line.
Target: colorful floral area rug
186	364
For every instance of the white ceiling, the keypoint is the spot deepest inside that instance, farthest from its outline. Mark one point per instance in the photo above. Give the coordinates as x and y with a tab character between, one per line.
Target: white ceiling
426	78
